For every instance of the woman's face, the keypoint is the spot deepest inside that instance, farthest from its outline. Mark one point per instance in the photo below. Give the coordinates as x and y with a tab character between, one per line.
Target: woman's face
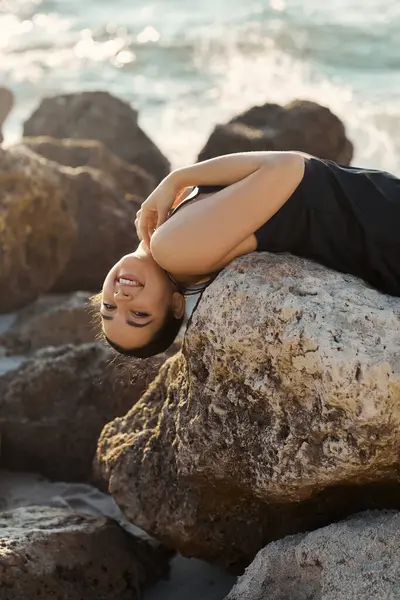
135	299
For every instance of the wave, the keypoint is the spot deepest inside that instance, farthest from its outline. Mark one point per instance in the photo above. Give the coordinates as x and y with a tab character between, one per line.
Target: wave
187	67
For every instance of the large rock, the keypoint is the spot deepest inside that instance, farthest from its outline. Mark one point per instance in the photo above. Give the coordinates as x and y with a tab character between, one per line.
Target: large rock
105	230
98	116
105	216
300	125
54	406
281	413
105	219
53	320
37	228
133	181
358	559
56	553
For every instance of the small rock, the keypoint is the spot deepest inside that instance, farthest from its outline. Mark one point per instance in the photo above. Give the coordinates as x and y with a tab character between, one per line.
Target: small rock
54	406
53	320
37	227
56	553
98	116
357	559
301	125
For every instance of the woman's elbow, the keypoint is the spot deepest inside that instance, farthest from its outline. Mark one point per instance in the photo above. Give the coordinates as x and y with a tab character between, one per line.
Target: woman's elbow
289	164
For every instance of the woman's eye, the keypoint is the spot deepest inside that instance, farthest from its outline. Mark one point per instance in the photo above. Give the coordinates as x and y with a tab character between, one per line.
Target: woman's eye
108	306
141	315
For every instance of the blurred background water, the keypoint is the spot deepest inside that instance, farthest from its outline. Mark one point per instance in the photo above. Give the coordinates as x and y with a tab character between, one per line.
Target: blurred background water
188	65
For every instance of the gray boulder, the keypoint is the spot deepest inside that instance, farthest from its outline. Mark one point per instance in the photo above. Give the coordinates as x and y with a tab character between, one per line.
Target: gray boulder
56	553
54	405
358	559
53	320
280	414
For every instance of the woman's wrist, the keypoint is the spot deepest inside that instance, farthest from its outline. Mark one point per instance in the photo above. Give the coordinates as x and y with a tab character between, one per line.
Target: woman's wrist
175	180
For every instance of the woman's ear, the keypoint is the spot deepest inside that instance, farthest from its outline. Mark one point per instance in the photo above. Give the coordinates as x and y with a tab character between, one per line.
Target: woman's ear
178	305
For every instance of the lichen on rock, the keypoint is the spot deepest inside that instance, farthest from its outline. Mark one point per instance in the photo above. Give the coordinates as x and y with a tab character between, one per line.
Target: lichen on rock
37	227
280	414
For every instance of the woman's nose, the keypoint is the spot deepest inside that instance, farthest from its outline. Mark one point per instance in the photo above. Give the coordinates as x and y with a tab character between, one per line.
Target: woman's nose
122	295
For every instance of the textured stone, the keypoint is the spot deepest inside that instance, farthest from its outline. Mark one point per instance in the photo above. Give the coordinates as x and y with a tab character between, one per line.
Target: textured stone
300	125
281	413
37	228
54	406
98	116
53	320
358	559
134	182
56	553
105	230
104	216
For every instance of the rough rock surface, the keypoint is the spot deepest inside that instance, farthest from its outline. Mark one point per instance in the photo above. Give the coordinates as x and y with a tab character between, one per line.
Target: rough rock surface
300	125
98	116
56	553
104	215
281	413
358	559
37	228
53	320
54	406
134	181
105	230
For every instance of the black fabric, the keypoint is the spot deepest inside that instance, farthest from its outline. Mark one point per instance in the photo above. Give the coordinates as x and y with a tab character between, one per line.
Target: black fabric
202	189
346	218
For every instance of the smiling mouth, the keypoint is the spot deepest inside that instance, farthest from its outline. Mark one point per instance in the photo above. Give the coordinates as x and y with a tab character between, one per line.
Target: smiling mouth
129	280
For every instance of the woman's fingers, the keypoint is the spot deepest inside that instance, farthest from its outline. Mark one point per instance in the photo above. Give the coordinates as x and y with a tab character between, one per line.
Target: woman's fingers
162	217
144	233
147	222
137	221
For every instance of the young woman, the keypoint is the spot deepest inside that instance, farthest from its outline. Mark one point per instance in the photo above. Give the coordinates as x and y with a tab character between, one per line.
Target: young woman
346	218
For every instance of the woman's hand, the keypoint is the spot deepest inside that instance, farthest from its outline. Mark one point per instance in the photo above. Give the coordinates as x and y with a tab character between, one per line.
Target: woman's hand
155	209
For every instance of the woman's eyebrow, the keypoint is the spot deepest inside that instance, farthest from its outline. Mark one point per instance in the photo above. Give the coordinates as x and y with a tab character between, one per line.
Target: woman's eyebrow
106	318
131	323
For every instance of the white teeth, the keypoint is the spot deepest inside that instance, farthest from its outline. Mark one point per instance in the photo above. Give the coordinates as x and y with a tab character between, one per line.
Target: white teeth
123	281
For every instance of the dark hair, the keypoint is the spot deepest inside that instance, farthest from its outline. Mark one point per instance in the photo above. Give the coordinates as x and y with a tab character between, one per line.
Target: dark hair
161	340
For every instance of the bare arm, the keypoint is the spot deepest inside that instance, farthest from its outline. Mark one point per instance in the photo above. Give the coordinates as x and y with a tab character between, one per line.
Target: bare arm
198	238
222	170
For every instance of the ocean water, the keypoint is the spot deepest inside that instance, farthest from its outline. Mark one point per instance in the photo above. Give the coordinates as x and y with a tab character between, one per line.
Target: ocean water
187	65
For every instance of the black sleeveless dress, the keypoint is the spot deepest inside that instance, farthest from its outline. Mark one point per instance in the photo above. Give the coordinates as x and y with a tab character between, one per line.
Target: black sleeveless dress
345	218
